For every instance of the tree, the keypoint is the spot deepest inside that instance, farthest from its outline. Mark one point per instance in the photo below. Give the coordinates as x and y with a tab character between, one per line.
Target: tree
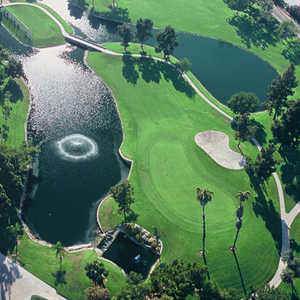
184	65
243	129
166	41
143	30
266	5
126	35
279	91
264	165
59	252
287	30
134	278
243	196
123	195
287	130
15	231
203	196
97	293
96	272
241	103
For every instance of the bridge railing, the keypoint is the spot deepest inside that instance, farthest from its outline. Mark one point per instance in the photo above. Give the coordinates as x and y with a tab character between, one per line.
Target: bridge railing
6	13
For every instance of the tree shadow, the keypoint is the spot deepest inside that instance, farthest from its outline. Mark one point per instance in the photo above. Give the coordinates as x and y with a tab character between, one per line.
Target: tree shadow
265	208
255	28
115	13
294	245
152	71
291	171
292	51
95	21
240	272
260	133
129	72
59	276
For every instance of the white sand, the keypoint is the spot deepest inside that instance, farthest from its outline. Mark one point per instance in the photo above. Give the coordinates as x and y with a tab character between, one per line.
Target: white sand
216	145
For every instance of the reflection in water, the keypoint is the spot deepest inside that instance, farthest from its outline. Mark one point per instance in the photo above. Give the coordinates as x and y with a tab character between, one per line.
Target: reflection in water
74	116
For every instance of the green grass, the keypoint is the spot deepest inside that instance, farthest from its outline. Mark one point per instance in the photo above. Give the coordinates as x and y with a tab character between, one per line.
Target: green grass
42	262
19	109
108	214
47	33
160	122
68	28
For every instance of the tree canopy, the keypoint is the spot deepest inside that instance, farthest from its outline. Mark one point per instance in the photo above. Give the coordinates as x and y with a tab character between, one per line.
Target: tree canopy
167	41
243	102
125	34
96	272
143	30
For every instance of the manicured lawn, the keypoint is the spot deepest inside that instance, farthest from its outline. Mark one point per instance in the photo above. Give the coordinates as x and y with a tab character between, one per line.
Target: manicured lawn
72	281
45	31
19	109
160	116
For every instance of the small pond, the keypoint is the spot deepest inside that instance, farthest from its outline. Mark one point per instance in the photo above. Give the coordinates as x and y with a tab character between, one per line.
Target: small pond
222	68
130	256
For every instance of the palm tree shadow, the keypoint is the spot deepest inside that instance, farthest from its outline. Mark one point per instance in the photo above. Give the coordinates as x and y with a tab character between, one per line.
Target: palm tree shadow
266	210
240	272
59	276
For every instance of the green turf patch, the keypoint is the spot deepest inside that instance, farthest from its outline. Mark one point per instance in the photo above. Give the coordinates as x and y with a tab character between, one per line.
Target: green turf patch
19	108
46	34
71	280
108	214
160	116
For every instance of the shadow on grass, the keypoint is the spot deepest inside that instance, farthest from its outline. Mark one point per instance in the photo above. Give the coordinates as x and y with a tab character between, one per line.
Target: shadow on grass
291	171
240	272
265	209
59	276
294	245
15	91
114	13
153	71
255	28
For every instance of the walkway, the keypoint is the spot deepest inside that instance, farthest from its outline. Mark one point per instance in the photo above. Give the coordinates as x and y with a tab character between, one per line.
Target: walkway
18	284
286	219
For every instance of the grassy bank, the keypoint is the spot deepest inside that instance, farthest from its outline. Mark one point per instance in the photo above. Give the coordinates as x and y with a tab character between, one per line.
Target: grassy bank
71	281
46	34
161	115
17	116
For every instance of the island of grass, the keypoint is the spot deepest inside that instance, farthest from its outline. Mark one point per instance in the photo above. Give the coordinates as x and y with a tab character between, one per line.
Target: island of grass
45	32
161	115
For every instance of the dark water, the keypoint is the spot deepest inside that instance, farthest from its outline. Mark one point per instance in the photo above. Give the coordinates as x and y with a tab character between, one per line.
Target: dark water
221	67
76	173
123	252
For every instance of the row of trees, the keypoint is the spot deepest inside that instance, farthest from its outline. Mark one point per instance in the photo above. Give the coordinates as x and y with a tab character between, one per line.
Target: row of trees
166	39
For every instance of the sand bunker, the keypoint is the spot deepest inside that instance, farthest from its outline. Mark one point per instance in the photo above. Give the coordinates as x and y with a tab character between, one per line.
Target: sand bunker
216	145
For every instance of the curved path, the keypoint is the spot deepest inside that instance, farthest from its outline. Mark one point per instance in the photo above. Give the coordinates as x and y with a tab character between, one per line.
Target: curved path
286	219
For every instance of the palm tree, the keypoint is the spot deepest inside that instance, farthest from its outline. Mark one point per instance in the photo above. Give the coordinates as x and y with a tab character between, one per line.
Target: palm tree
59	252
203	196
243	196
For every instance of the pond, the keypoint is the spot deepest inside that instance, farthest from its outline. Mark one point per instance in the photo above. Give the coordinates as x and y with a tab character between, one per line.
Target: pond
130	256
75	119
222	68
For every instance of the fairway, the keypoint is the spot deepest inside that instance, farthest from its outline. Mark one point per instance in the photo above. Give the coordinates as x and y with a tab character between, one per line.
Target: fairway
161	116
47	33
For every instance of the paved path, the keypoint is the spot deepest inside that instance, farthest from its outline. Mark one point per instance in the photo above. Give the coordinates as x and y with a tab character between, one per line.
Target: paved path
18	284
286	219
